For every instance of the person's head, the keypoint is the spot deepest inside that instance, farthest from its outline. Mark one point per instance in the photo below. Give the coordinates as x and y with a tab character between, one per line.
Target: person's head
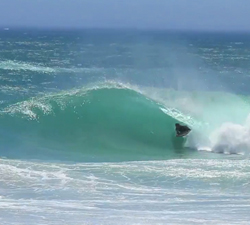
177	125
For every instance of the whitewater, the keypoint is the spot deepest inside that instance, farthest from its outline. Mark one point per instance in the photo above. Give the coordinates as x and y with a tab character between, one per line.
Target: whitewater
87	127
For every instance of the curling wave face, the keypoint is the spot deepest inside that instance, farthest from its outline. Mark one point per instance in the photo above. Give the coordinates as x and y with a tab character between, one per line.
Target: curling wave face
101	123
112	121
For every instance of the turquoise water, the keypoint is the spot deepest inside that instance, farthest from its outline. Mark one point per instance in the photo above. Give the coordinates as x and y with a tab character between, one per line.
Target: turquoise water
87	127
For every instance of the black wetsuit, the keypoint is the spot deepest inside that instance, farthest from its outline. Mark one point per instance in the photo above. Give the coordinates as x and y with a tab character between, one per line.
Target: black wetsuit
181	129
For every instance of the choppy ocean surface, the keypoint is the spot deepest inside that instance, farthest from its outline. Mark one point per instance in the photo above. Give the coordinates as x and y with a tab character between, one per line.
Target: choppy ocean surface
87	127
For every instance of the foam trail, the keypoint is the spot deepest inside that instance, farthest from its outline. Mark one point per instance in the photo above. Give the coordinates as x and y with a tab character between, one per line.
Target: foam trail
23	66
16	65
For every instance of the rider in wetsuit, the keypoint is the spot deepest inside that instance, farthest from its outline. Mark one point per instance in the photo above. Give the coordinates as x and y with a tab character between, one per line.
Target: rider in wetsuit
181	129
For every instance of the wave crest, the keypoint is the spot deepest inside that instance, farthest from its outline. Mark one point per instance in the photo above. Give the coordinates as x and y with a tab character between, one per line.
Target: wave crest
111	121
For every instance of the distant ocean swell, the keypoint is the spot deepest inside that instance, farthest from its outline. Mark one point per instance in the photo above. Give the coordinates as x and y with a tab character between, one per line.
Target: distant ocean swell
14	65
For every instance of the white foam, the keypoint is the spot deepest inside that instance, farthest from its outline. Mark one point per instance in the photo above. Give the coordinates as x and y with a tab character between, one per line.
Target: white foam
16	65
152	192
231	138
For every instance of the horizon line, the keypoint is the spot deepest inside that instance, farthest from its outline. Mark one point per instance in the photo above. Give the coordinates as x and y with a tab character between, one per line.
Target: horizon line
60	28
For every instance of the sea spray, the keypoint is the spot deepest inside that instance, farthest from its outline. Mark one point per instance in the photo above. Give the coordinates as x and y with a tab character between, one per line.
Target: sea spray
231	138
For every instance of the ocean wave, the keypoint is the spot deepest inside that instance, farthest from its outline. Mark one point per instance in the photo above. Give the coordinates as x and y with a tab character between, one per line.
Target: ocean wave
102	121
117	121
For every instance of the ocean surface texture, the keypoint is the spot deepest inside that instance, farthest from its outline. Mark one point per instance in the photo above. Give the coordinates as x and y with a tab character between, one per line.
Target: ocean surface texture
87	127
